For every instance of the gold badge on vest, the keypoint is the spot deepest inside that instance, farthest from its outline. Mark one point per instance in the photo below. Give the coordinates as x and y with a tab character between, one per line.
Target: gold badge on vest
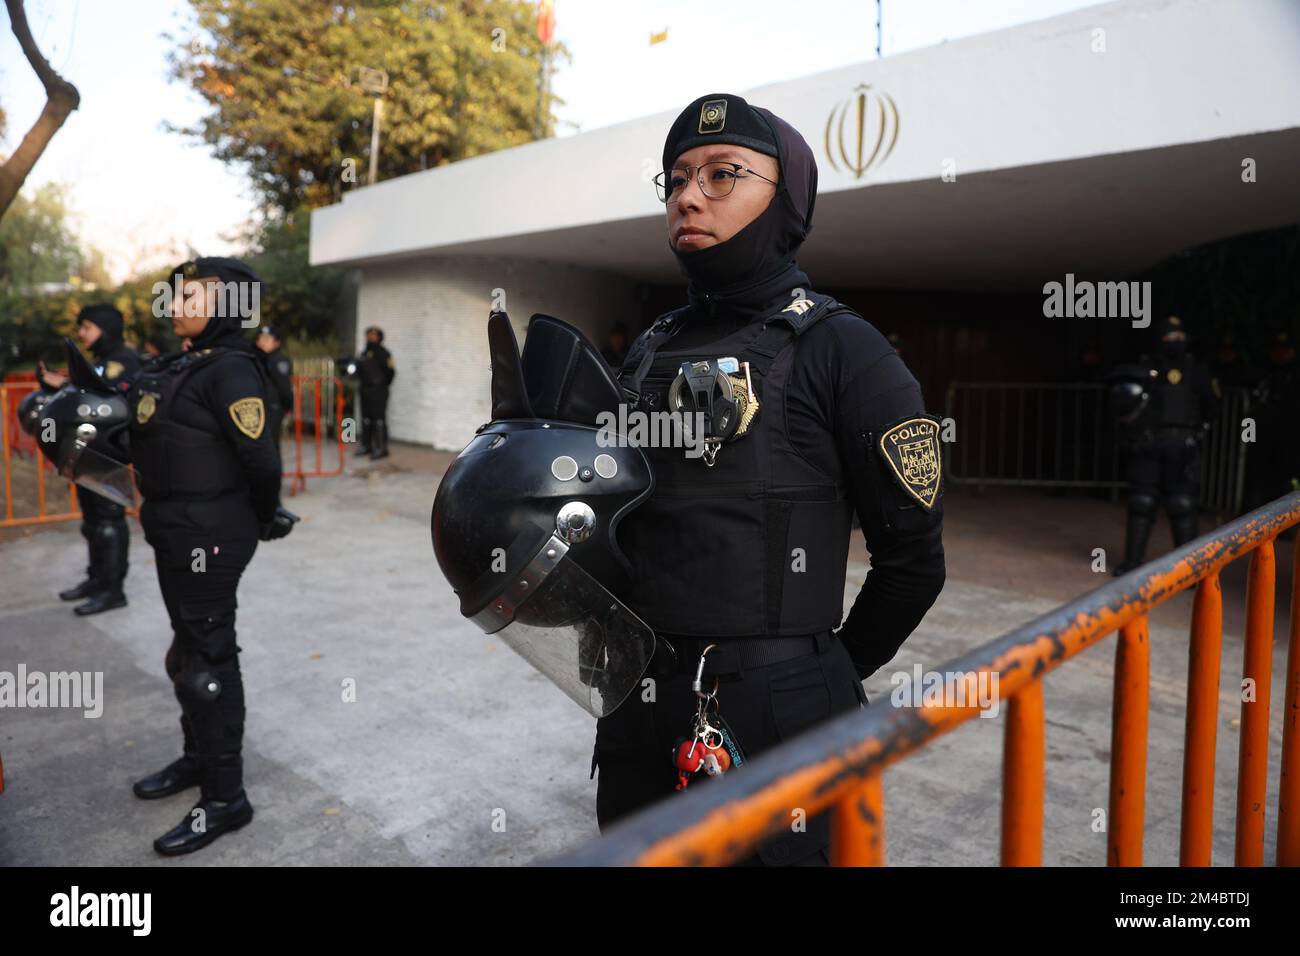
912	449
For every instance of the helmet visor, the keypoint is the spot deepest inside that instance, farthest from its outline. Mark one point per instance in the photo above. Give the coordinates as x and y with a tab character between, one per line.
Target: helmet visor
581	637
98	473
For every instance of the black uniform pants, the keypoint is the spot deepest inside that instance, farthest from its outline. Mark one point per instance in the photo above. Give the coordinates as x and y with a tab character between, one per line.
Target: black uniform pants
1167	465
198	571
103	525
374	402
763	706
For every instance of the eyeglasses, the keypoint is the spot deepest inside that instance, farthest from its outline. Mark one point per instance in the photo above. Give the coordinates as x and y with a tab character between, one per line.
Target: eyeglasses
716	180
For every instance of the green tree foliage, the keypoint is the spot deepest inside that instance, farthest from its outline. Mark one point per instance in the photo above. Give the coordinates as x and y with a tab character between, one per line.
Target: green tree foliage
36	245
295	297
281	78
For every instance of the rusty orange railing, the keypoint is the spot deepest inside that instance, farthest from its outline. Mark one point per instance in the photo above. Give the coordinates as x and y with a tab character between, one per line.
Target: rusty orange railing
18	449
299	474
838	766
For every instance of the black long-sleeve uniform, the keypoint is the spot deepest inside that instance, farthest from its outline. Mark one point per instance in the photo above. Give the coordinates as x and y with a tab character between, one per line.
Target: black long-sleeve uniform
847	385
209	469
847	388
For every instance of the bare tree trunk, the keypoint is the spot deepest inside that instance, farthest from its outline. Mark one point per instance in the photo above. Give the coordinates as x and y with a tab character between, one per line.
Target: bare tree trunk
61	99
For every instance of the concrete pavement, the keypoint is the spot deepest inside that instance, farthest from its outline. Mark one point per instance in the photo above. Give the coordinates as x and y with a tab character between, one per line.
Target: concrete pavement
456	752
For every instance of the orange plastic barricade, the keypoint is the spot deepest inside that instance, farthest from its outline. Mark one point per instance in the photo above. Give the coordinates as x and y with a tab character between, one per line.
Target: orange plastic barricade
838	766
308	394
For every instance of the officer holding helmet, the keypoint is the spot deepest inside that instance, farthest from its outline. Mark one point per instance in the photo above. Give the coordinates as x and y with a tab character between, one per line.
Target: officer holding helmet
103	521
717	572
209	470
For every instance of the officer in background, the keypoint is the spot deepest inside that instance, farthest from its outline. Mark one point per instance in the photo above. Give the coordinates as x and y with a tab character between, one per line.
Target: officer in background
375	371
209	470
279	370
810	414
1174	398
103	522
1273	461
615	350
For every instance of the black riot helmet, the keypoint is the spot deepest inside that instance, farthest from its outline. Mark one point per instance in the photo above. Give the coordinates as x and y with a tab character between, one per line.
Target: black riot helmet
31	410
1129	392
525	521
86	440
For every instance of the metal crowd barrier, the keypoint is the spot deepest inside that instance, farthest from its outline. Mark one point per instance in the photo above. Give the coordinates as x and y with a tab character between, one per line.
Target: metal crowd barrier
838	767
1061	436
317	423
318	409
25	467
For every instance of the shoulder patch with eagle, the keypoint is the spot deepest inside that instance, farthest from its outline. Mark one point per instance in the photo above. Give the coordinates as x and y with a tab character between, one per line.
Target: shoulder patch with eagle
911	448
249	416
113	369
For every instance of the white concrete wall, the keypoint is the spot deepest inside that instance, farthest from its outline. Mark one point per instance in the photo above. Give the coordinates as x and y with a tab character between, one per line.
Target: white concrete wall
1172	72
434	315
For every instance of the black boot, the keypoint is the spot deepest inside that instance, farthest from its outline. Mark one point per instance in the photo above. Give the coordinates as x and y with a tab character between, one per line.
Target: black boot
110	544
83	590
363	449
380	440
101	602
1135	542
207	820
91	584
223	803
176	776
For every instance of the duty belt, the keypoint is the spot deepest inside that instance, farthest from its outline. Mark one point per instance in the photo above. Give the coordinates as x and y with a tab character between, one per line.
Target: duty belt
681	654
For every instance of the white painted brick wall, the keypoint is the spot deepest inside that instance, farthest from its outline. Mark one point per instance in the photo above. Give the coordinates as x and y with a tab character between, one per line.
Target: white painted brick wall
434	315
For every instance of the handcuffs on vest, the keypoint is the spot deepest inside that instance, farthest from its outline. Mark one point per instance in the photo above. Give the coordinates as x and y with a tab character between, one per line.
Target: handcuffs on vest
715	388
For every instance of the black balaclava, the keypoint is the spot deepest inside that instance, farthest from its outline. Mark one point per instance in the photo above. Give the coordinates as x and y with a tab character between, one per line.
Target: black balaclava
766	247
226	330
110	323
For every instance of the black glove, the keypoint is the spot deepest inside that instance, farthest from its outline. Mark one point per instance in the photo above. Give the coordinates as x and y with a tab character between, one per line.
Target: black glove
280	525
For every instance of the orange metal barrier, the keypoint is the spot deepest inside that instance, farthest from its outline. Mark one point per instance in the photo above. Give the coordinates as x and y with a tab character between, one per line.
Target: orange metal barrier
313	386
22	464
18	449
837	767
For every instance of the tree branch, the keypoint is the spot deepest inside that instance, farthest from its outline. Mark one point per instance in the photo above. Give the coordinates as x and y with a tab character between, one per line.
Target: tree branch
61	98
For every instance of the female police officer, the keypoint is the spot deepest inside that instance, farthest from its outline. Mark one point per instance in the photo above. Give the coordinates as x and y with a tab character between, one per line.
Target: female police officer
209	470
811	414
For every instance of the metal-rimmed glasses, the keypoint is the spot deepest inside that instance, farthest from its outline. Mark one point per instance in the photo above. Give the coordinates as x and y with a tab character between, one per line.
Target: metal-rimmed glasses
717	179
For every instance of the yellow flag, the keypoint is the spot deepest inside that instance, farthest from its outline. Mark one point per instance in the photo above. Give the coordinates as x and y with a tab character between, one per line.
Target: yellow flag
658	37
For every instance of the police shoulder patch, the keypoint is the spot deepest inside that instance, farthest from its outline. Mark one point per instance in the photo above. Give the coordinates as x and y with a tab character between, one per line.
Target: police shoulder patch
113	369
911	447
145	408
249	416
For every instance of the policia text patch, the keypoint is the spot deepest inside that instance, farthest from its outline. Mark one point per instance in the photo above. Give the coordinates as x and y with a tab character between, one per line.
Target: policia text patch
912	449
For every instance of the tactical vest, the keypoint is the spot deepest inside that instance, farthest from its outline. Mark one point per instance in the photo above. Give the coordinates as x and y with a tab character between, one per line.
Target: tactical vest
177	462
757	544
1175	402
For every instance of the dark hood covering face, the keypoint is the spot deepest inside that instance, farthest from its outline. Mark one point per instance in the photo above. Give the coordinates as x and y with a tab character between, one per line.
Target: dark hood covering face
110	324
228	330
764	249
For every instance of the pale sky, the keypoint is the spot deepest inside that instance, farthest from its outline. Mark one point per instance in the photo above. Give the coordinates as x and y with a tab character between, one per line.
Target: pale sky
147	197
